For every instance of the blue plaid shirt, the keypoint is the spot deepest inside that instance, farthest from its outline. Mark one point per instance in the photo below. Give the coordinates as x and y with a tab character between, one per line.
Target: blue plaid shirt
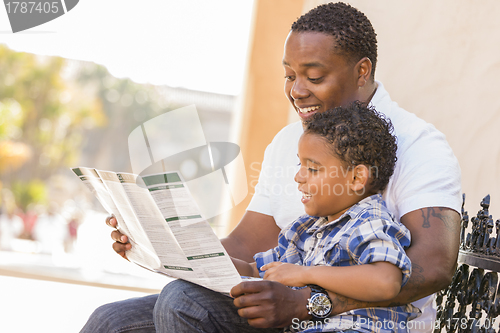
365	233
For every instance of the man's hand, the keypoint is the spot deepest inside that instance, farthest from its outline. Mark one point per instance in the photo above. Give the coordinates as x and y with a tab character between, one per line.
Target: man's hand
270	304
287	274
121	243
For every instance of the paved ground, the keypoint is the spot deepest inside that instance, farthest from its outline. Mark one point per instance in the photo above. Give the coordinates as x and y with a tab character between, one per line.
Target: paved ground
56	293
28	305
38	296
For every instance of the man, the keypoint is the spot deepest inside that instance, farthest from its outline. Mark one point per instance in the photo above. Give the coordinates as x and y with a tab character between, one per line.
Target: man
329	60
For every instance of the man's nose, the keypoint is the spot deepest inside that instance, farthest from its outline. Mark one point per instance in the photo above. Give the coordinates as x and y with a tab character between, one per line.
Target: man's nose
299	89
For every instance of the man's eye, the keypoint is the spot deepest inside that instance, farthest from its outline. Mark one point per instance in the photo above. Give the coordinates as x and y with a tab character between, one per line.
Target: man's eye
289	77
312	170
315	80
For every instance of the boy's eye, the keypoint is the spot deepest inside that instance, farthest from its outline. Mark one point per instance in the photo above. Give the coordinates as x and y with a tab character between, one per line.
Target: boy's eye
312	170
289	78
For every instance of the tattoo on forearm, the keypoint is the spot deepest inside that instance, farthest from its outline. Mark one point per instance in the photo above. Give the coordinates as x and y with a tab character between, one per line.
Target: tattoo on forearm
416	281
439	213
343	304
412	288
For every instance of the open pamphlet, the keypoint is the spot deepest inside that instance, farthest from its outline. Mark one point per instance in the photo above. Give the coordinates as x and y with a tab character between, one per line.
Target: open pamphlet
164	225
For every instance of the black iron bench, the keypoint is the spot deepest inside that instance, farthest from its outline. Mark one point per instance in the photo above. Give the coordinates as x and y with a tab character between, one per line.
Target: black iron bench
472	301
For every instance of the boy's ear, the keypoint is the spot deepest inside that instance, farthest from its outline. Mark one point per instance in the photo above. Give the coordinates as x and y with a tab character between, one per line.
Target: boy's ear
361	176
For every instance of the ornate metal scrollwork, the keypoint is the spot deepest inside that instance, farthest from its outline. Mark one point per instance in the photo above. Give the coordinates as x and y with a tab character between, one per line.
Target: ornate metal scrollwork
475	290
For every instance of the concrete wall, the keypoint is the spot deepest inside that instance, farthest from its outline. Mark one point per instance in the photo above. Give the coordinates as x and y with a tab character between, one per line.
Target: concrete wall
263	108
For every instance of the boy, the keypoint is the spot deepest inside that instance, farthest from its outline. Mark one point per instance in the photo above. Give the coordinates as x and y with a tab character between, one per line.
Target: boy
348	243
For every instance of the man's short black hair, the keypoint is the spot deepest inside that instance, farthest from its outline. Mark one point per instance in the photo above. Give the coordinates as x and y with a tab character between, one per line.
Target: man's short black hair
353	32
358	134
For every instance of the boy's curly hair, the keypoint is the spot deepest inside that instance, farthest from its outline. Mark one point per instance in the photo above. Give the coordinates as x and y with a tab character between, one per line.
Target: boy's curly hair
353	32
358	134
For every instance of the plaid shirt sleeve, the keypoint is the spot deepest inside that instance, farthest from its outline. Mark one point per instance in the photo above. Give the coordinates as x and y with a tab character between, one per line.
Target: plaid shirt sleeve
263	258
292	235
381	240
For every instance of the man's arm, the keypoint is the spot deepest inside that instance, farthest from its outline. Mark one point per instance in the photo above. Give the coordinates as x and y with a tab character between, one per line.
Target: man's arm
255	233
435	234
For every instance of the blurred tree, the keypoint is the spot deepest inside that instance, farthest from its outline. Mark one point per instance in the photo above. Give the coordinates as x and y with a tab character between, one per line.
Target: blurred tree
55	113
43	117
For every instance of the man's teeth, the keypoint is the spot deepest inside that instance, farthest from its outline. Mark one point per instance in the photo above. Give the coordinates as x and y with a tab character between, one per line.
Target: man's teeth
309	109
306	195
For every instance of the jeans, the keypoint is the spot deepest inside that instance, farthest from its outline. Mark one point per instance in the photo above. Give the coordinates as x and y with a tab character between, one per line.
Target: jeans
181	307
131	315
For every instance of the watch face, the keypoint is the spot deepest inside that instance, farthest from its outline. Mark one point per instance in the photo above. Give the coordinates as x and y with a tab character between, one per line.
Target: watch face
320	305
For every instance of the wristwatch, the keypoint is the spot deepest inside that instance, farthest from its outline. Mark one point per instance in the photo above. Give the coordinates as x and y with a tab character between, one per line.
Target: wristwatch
320	304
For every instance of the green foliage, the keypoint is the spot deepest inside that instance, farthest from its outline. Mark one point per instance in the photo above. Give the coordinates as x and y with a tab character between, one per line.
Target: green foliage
44	115
29	192
11	119
41	107
60	112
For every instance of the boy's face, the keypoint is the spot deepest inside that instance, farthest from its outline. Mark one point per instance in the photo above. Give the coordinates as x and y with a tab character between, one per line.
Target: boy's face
316	77
323	180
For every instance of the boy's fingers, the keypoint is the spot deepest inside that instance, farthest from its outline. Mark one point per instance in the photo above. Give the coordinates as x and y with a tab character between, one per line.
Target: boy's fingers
270	265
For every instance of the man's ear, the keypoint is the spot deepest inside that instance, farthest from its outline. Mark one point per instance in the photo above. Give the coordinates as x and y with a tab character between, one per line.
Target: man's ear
361	176
364	71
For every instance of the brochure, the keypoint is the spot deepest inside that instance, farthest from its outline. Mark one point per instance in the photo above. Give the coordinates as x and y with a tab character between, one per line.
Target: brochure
164	225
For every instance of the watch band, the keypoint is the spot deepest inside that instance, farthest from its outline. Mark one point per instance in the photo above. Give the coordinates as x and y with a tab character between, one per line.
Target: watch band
319	305
317	289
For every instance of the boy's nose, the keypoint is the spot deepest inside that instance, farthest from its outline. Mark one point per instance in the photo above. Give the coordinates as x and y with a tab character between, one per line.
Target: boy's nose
298	176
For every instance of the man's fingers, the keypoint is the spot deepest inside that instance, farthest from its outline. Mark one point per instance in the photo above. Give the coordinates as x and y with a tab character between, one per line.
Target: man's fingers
248	287
119	237
259	322
111	221
248	300
121	243
121	248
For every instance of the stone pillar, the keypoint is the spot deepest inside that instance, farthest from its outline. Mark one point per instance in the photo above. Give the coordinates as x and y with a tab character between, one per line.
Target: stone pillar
263	110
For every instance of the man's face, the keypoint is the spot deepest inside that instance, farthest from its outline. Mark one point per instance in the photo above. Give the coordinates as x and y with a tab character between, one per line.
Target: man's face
317	78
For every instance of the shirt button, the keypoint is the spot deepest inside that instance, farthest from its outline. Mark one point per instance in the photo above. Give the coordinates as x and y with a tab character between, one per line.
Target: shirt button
319	235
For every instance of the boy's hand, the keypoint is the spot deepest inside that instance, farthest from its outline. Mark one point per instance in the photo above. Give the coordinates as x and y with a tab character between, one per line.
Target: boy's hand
284	273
